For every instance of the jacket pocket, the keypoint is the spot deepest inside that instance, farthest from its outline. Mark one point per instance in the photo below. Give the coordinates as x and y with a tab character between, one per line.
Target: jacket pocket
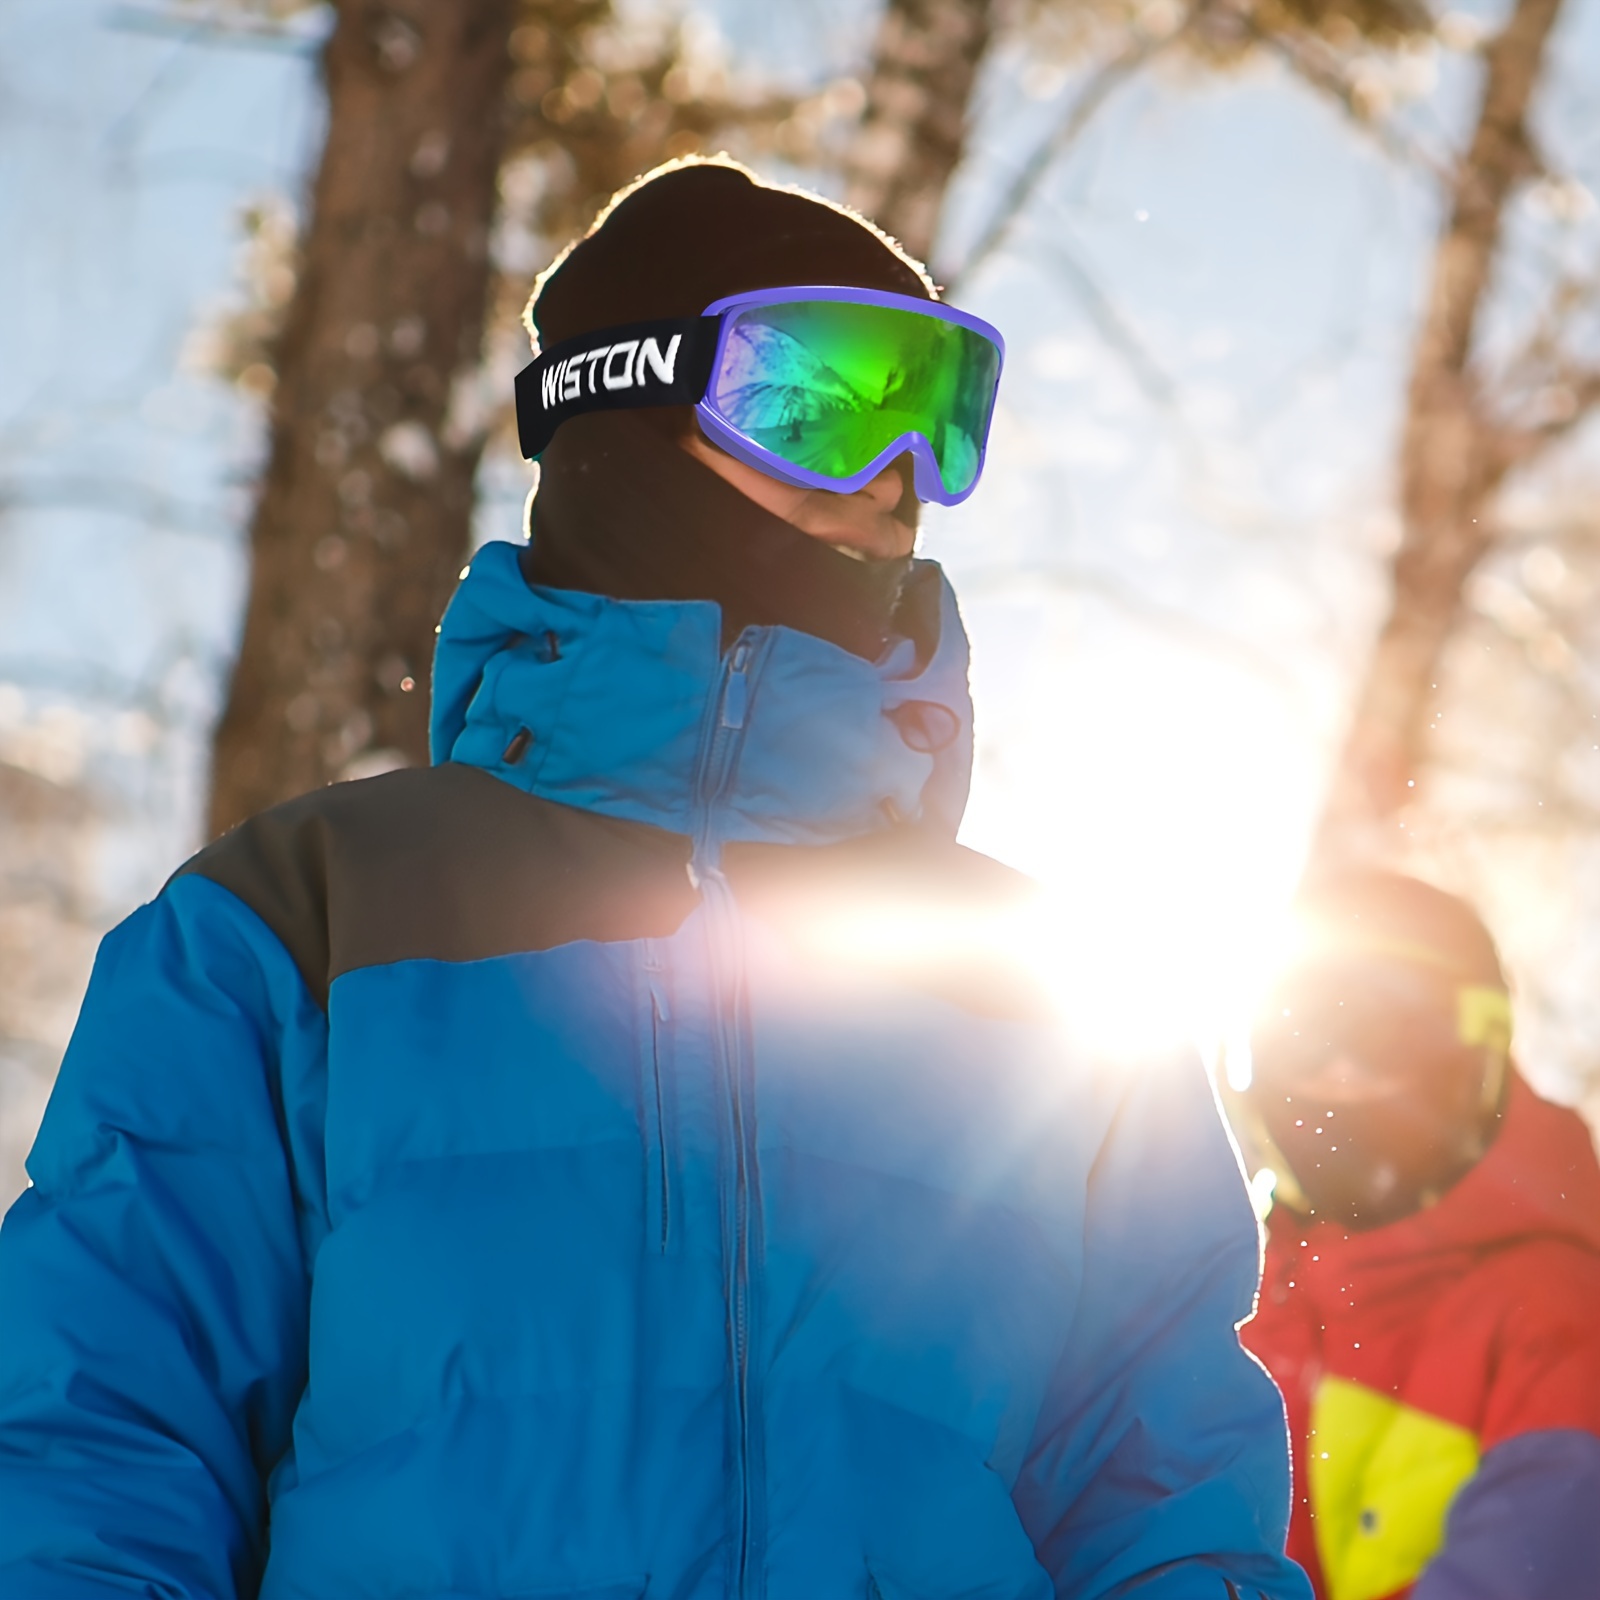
653	1094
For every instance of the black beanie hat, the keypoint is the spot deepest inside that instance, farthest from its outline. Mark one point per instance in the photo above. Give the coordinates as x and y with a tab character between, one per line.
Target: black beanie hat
695	231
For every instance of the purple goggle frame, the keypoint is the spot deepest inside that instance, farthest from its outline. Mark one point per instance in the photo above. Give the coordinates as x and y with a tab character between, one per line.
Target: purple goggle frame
680	361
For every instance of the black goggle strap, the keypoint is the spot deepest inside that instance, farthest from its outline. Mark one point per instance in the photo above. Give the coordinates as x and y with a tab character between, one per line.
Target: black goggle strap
664	363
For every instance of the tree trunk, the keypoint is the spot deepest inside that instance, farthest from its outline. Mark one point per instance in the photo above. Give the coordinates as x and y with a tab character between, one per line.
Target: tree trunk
366	503
1453	456
912	135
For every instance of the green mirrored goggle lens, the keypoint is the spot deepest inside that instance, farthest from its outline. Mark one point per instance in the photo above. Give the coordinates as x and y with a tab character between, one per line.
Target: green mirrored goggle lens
828	386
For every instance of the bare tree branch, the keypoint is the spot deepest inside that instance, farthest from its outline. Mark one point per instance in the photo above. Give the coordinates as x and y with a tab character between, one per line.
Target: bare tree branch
1095	90
1322	71
122	498
232	28
1580	391
1113	326
914	131
1449	466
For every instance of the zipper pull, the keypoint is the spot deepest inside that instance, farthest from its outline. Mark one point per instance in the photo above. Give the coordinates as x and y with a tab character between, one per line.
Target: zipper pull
736	692
658	988
655	976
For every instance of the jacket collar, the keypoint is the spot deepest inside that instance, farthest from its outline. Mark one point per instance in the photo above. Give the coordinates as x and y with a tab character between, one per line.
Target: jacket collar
630	711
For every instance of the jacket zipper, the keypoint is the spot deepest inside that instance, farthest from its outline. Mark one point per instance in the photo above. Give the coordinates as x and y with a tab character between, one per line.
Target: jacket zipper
720	755
660	1015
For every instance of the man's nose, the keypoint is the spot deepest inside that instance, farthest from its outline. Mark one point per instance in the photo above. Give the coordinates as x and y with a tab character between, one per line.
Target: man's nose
885	490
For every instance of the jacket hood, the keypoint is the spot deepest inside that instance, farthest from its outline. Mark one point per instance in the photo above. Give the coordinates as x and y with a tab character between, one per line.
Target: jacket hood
619	700
1539	1179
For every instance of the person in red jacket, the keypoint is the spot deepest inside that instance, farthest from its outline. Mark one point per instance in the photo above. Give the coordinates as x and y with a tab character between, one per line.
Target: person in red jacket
1431	1301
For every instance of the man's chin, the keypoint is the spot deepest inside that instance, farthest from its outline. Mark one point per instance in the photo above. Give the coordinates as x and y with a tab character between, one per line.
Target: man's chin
875	544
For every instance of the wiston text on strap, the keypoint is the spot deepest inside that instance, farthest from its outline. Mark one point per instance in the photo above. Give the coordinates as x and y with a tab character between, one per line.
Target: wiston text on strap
665	363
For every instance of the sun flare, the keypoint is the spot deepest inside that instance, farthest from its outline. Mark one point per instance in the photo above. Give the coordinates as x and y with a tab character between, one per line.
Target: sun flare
1162	800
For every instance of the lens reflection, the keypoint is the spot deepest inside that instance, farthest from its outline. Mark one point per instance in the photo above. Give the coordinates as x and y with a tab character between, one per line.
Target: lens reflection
828	386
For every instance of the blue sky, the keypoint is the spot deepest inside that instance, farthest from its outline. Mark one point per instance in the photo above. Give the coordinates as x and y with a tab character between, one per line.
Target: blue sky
124	159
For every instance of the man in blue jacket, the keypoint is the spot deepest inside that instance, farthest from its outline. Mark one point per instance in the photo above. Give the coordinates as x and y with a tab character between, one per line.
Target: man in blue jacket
504	1180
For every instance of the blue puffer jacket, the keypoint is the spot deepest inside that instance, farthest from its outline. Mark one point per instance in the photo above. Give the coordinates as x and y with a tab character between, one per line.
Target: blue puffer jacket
484	1182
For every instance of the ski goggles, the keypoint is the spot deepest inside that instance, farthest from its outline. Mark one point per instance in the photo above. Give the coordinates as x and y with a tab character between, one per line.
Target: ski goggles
1384	1013
819	387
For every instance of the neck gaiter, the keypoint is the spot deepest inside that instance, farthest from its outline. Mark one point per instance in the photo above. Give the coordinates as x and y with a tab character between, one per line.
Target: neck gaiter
622	510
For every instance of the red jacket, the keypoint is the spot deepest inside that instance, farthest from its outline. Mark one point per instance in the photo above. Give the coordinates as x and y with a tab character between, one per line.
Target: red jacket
1448	1367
